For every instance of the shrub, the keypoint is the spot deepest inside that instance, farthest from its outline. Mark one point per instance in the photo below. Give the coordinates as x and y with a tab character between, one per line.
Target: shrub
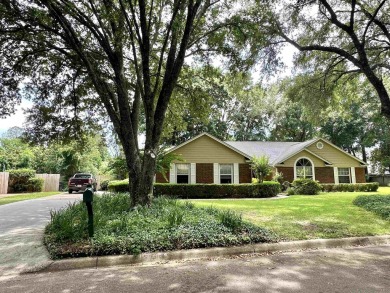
118	185
345	187
278	177
35	185
306	186
104	185
379	204
286	185
261	167
165	225
265	189
19	180
290	191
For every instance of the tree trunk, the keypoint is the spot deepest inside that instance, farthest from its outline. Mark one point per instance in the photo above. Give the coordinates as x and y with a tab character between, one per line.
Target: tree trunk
141	177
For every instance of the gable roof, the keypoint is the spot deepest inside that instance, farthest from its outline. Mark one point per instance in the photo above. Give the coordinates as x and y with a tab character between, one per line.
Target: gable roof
276	151
212	137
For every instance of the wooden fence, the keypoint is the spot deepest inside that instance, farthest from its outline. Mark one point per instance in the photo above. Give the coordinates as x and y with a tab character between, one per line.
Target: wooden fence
51	181
4	182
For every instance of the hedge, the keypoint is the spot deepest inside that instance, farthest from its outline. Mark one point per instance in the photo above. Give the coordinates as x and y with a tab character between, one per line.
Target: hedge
118	185
194	191
265	189
35	185
19	179
345	187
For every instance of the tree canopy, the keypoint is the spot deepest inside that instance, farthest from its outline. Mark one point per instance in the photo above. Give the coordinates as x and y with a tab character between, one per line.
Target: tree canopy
338	38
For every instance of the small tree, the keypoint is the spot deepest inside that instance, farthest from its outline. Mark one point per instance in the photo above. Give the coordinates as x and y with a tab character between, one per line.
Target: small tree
261	167
164	161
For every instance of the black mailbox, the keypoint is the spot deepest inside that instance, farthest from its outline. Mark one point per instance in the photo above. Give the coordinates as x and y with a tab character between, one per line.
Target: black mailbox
88	195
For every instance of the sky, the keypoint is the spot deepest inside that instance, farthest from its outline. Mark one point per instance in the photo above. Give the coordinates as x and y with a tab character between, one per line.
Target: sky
14	120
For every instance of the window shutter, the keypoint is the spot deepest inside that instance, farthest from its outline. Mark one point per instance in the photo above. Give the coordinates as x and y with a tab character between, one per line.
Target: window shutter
236	174
216	173
193	173
336	175
172	174
353	175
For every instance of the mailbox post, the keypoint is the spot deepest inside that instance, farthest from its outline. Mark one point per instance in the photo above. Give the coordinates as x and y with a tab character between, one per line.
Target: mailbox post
88	199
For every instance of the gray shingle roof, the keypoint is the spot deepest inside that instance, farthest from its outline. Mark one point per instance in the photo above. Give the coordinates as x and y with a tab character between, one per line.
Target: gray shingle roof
276	151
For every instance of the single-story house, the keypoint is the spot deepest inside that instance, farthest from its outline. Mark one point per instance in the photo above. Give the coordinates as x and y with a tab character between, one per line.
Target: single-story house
207	159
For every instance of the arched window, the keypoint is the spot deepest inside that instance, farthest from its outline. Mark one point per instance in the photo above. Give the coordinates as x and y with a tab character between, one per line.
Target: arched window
304	169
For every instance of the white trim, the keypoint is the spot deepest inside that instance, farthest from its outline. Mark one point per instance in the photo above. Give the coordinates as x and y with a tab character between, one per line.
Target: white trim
353	175
301	150
172	173
236	175
212	137
216	173
336	175
193	173
312	167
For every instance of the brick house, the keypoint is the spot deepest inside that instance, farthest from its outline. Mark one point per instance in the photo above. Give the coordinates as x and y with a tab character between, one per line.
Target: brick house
207	159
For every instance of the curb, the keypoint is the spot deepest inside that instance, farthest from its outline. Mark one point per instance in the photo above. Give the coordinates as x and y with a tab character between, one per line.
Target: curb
148	258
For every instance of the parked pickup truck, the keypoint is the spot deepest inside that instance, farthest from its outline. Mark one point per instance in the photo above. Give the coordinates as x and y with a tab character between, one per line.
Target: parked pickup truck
79	182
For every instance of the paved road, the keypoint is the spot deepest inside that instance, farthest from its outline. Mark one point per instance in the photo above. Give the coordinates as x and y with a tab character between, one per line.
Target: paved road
364	269
21	227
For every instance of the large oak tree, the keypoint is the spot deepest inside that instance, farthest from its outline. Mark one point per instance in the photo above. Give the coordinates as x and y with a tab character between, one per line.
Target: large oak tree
124	55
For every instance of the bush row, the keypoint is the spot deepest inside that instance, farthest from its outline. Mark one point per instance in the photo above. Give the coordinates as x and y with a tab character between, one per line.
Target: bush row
344	187
265	189
259	190
118	185
23	180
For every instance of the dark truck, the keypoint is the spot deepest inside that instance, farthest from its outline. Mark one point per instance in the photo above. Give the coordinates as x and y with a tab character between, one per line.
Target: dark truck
80	181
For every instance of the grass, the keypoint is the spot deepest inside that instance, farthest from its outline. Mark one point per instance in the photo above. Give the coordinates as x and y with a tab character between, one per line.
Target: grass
166	225
328	215
25	196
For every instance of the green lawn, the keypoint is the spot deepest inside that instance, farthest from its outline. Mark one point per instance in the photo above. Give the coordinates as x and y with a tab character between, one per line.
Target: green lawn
328	215
26	196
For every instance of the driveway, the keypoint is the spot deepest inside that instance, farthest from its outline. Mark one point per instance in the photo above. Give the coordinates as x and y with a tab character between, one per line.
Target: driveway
21	230
358	269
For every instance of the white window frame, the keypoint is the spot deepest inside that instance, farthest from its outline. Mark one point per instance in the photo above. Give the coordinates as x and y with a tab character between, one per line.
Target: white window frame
312	168
188	175
231	173
344	175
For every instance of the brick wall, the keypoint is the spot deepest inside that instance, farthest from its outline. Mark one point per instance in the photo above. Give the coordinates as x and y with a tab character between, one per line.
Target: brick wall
324	174
204	173
160	178
288	173
360	175
245	173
